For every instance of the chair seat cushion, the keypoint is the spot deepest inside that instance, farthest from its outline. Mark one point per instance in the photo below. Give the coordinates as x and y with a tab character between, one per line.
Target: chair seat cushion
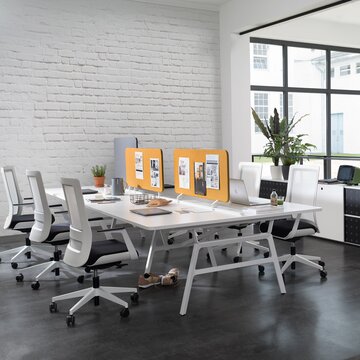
55	230
16	219
282	228
103	248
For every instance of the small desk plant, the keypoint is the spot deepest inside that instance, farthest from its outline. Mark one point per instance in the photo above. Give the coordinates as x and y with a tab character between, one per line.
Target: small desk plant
98	172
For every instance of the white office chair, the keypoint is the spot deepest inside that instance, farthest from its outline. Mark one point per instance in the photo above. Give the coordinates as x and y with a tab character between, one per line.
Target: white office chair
83	252
301	189
15	215
250	173
43	231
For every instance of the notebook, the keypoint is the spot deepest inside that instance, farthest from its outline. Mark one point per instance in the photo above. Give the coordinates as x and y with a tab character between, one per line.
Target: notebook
150	211
239	195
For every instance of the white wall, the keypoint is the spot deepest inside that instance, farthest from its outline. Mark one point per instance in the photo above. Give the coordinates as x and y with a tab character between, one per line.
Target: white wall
236	16
76	74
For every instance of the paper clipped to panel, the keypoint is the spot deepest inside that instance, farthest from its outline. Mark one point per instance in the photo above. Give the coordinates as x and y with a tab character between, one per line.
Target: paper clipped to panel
144	169
202	172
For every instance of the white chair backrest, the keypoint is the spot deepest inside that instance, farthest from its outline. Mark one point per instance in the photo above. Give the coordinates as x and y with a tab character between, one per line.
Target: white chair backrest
42	214
250	173
302	186
78	250
12	193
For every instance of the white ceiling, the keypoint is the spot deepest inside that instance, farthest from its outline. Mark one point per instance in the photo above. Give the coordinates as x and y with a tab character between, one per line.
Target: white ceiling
349	13
194	4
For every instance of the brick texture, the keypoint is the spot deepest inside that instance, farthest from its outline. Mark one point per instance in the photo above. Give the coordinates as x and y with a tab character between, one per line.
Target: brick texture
76	74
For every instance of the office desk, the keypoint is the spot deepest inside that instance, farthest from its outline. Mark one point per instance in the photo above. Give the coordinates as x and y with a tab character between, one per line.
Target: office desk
191	215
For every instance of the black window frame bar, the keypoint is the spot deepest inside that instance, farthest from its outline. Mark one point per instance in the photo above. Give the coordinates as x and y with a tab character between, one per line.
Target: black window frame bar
327	90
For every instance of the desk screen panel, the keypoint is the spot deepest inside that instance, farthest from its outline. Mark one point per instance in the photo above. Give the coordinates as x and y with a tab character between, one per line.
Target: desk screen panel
144	169
200	156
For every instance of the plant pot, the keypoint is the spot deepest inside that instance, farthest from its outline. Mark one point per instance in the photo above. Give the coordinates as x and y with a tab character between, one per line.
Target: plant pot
275	172
285	171
99	181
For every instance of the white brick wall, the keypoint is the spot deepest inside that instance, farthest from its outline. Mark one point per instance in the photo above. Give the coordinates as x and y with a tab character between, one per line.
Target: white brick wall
74	74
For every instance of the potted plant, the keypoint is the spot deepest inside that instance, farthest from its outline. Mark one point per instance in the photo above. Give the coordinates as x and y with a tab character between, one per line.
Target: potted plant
98	172
273	130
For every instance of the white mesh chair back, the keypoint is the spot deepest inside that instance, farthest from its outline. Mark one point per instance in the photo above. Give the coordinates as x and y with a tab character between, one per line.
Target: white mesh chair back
78	249
42	214
250	173
12	193
302	186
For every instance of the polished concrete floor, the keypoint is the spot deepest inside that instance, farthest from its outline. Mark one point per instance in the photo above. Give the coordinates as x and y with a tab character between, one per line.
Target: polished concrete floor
232	315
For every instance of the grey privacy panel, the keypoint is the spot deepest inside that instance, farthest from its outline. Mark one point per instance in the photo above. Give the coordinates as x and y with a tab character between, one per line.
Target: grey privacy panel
120	144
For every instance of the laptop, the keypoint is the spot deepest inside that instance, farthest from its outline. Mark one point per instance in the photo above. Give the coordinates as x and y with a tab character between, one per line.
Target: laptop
239	195
150	211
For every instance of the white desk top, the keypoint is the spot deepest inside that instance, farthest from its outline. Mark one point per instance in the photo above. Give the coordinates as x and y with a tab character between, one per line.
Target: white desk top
192	214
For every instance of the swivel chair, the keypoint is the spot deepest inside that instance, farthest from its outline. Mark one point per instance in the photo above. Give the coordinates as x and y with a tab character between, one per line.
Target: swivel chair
15	215
301	189
43	231
82	251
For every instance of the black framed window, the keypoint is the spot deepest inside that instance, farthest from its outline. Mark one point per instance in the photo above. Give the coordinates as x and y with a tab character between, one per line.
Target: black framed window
320	80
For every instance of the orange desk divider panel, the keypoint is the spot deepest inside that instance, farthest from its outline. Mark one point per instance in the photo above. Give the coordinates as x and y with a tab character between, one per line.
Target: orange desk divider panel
144	169
185	184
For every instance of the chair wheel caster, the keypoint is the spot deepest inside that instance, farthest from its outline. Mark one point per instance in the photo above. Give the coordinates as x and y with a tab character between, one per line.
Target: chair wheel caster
261	270
323	274
170	241
35	285
14	265
20	278
80	279
266	255
321	263
134	298
28	255
53	307
236	259
70	320
124	313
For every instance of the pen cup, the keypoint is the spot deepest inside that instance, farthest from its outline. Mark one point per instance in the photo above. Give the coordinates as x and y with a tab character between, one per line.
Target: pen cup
117	185
280	200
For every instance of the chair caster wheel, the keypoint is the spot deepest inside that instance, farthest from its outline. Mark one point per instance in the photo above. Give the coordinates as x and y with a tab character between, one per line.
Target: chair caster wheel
134	298
323	274
80	279
266	255
70	320
170	241
35	285
53	307
236	259
321	263
28	255
14	265
124	313
261	270
20	278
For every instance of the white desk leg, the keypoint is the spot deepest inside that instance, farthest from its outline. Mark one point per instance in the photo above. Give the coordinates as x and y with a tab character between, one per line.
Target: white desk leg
189	279
151	253
275	259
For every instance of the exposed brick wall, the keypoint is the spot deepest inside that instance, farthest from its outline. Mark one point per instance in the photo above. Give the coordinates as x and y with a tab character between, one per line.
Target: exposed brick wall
76	74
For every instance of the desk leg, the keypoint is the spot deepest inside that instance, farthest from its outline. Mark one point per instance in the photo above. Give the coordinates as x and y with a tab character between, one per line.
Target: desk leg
189	279
151	253
275	259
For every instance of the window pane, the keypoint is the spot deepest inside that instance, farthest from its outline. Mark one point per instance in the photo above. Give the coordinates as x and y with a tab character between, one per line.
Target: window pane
266	64
314	124
264	104
345	126
347	70
306	67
